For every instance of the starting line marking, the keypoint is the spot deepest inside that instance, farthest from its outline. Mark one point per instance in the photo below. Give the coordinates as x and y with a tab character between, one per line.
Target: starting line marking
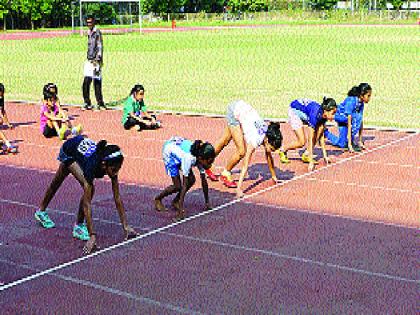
169	226
365	186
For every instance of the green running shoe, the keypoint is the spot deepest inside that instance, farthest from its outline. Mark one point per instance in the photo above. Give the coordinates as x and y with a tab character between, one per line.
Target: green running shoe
81	232
43	218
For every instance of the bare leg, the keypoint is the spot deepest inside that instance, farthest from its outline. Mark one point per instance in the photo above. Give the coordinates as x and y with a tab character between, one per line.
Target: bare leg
224	141
174	188
299	142
238	138
59	178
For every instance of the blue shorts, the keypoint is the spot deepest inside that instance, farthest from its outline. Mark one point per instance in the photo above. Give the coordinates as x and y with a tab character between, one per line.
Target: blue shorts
172	166
64	158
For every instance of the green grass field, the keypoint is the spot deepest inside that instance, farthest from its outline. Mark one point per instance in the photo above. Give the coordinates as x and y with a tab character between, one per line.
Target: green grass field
203	71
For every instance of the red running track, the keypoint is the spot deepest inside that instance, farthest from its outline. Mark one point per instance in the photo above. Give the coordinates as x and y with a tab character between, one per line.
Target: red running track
342	239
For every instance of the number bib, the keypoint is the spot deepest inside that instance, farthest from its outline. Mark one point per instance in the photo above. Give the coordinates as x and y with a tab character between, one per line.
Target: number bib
86	147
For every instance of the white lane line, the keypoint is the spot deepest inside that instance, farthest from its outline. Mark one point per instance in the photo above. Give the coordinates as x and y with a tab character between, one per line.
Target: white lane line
107	289
170	226
250	249
388	164
365	186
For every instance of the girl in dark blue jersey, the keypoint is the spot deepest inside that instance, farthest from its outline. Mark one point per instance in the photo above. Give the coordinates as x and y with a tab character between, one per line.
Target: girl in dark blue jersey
86	160
310	113
349	118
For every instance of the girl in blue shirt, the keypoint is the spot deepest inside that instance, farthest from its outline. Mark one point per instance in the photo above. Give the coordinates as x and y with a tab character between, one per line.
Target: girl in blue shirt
349	118
86	160
307	112
179	156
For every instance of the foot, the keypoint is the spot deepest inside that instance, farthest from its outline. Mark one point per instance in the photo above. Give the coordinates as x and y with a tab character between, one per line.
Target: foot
62	132
210	175
87	107
43	218
307	159
77	130
176	205
159	206
227	180
283	157
80	232
11	150
101	107
180	215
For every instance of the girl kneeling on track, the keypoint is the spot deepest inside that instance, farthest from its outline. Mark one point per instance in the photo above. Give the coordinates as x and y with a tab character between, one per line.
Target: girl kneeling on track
135	112
5	145
54	121
349	118
248	130
310	113
86	160
181	154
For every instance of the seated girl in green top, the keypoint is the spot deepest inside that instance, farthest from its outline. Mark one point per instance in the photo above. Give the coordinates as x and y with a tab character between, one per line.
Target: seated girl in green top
135	112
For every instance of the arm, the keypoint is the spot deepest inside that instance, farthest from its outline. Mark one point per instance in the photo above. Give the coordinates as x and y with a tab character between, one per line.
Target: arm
99	45
270	163
349	138
183	192
52	117
249	151
311	143
87	201
205	187
5	119
120	208
321	137
362	143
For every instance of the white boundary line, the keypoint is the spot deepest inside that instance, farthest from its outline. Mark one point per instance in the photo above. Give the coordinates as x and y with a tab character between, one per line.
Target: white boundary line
169	226
223	244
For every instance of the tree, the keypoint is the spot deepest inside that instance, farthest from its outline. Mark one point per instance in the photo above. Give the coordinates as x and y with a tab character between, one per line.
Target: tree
33	10
323	4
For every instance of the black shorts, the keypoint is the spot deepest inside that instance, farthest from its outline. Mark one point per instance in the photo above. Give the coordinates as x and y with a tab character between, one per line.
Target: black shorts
131	122
49	132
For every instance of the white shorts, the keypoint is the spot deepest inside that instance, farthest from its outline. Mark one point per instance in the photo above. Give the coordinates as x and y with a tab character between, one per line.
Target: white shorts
296	118
92	70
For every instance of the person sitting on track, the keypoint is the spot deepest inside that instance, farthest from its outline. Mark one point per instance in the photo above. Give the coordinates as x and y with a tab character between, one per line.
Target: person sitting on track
248	130
308	112
5	145
349	118
3	115
86	160
135	113
54	121
182	154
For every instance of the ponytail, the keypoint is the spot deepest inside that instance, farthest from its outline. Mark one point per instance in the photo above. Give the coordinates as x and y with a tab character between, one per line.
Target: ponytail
358	90
109	153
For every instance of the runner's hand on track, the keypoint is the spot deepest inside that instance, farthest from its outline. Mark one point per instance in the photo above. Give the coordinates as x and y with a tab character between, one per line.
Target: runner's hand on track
239	194
327	160
311	166
129	233
208	206
90	245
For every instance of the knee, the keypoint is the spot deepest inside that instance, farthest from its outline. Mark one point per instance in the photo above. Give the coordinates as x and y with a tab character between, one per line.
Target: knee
241	153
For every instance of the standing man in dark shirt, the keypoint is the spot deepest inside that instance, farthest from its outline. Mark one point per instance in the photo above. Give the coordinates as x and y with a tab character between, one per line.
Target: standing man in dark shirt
93	66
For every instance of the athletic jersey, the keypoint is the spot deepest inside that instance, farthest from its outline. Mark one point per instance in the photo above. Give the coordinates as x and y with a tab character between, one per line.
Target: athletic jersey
349	106
177	156
252	124
83	151
312	112
44	119
132	106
